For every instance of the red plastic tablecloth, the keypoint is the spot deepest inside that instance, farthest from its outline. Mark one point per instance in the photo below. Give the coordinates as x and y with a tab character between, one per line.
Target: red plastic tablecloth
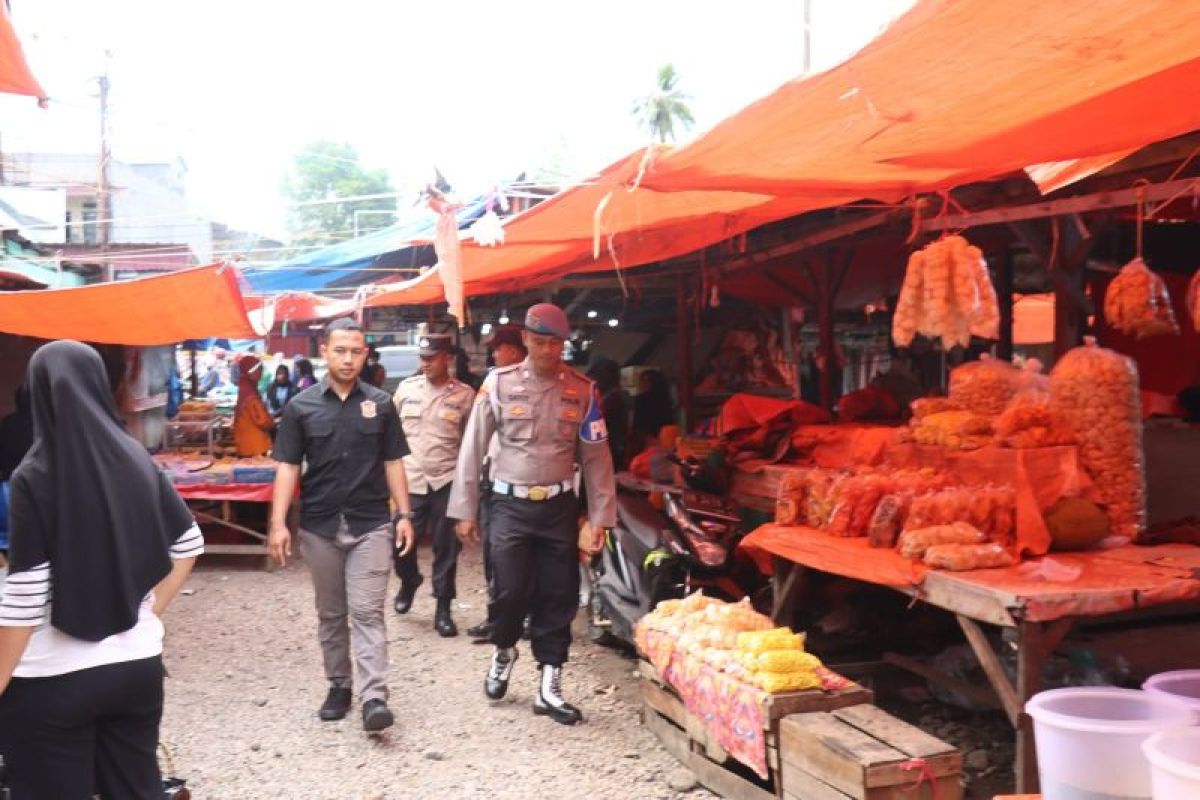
239	492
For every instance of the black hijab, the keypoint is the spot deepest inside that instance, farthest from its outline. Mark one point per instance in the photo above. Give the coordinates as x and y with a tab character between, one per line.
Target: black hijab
88	499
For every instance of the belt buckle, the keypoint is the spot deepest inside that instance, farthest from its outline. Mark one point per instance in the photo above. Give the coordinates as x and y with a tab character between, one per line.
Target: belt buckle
538	493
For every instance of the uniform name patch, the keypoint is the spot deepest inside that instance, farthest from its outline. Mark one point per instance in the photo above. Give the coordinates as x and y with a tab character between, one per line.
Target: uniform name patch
368	409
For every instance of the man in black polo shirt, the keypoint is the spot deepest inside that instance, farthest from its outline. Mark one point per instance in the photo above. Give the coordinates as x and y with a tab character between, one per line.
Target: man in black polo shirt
349	434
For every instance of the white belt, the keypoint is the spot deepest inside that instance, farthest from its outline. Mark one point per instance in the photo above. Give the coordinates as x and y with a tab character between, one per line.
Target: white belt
535	493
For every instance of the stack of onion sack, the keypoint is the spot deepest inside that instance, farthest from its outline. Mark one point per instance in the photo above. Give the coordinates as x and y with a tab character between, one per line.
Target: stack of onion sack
1096	392
736	640
1137	303
947	294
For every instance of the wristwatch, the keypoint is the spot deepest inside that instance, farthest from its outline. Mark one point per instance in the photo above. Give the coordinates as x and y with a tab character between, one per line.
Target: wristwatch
402	515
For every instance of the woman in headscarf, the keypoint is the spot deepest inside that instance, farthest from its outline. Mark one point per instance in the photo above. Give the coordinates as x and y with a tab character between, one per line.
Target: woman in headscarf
101	544
281	392
252	423
16	434
304	374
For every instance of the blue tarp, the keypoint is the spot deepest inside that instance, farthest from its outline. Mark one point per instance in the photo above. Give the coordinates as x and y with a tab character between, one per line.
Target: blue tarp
357	261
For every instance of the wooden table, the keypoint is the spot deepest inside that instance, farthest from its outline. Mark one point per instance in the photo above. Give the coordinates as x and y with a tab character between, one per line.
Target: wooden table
213	503
1039	600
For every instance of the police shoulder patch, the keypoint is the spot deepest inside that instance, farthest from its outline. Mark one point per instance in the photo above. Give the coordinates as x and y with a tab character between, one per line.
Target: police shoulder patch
593	430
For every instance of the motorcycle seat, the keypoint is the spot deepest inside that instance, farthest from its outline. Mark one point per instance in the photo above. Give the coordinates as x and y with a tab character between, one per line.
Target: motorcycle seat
641	519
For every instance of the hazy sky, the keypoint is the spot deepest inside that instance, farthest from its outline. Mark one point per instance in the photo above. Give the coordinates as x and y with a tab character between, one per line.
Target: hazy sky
482	89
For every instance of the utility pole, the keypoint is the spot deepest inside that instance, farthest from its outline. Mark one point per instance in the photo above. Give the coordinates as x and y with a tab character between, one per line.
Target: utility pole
103	189
806	64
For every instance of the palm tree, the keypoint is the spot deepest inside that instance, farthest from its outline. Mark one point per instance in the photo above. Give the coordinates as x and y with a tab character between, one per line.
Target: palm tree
659	112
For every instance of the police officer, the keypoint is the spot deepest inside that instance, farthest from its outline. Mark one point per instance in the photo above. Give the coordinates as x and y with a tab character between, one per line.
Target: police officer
547	419
507	349
433	410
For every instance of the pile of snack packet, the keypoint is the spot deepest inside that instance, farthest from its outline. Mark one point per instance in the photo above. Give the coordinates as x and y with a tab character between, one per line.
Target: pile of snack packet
918	509
735	639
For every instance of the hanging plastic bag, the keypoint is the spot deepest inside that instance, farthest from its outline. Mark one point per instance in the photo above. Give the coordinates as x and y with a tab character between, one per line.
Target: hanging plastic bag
1137	303
1096	392
1193	301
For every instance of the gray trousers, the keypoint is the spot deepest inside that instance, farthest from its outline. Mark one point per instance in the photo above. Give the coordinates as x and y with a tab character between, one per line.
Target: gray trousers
350	578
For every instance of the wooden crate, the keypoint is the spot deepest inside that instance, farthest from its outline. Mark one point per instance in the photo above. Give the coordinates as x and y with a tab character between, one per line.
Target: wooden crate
687	738
860	753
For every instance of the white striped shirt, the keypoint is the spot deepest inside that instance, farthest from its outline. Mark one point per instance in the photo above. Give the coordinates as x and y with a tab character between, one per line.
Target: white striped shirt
25	602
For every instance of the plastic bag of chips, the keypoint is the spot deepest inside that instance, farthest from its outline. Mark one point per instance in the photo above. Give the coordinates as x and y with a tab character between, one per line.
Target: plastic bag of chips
914	543
1095	391
1137	303
985	386
789	502
964	557
773	639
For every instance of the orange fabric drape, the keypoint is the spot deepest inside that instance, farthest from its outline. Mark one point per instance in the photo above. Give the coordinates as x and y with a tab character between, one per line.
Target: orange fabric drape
15	75
190	304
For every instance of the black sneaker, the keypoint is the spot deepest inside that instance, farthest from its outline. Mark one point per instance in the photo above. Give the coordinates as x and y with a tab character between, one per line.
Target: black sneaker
337	703
495	686
377	716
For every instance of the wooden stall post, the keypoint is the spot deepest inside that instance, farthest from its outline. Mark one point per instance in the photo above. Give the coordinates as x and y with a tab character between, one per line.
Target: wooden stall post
789	350
1004	293
827	279
683	327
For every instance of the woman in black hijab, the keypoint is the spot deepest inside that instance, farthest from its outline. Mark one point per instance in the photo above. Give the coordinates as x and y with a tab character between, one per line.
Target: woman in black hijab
100	545
16	434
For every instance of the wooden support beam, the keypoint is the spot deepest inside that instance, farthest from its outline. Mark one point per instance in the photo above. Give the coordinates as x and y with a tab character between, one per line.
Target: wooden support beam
1004	294
1035	642
683	327
1066	205
990	661
831	234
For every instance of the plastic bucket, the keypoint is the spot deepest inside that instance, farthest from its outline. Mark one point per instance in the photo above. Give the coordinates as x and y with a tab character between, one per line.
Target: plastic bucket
1174	758
1183	685
1089	740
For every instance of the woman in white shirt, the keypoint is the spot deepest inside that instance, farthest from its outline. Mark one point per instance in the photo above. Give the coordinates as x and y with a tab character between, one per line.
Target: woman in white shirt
100	545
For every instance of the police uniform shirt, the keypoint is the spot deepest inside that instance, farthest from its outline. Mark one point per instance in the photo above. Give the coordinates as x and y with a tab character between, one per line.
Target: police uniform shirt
433	419
345	445
544	427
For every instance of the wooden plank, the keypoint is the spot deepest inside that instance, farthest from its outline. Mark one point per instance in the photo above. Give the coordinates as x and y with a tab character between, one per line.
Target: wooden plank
666	703
799	785
779	706
959	596
992	667
908	739
828	234
836	753
727	784
1068	205
674	740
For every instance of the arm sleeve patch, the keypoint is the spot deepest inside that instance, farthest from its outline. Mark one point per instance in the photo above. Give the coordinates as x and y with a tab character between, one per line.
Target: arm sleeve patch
593	430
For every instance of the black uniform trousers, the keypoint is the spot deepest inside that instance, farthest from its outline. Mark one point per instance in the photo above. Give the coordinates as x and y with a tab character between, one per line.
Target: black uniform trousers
489	569
429	515
535	563
95	731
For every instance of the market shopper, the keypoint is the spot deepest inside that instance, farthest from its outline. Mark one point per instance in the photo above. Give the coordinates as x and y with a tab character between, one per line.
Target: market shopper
304	374
349	435
252	423
433	409
507	349
101	544
548	422
16	433
374	372
281	392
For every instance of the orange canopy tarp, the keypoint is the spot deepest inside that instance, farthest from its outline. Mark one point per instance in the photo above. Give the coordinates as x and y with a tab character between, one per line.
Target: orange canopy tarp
15	76
954	91
190	304
961	90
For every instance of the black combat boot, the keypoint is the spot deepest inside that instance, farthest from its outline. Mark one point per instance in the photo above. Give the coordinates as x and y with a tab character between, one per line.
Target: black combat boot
549	699
443	623
495	686
404	597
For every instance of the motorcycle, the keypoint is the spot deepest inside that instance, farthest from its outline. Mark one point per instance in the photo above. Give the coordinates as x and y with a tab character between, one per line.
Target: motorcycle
655	555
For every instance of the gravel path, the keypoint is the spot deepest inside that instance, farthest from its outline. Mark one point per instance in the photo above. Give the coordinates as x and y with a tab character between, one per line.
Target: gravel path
246	682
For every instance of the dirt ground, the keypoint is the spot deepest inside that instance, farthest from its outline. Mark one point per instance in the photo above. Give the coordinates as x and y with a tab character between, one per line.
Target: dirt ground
246	680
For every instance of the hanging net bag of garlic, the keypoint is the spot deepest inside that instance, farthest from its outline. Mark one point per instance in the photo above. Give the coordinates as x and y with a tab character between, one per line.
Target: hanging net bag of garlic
947	294
1095	391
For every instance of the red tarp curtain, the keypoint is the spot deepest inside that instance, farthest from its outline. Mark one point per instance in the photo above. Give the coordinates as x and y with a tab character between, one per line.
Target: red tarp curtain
190	304
15	76
954	91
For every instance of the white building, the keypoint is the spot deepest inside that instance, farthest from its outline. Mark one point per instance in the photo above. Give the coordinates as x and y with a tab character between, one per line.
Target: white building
149	204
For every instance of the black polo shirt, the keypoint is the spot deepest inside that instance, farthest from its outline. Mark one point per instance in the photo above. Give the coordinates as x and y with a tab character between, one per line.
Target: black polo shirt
345	444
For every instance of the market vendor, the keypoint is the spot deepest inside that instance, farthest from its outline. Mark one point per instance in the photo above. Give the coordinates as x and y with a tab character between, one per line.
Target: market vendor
252	423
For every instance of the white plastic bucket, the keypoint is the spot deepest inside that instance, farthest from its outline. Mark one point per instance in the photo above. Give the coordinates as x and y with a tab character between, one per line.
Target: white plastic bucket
1089	740
1183	684
1174	763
